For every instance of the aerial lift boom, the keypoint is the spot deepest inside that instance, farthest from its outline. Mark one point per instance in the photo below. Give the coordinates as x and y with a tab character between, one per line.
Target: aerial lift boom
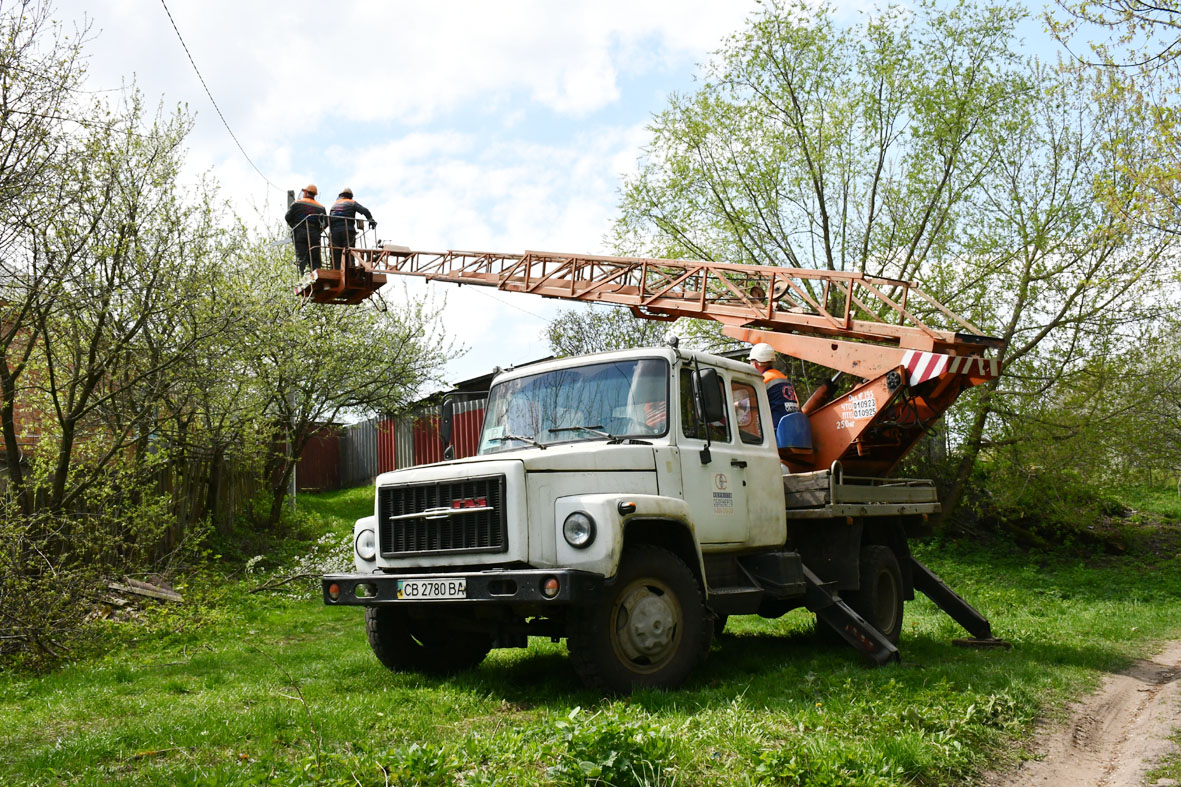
866	326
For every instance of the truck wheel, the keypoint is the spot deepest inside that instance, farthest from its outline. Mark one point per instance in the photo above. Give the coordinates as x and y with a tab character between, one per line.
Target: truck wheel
404	644
650	631
879	600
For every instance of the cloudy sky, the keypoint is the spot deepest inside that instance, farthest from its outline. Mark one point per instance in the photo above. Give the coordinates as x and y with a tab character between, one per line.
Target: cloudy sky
499	126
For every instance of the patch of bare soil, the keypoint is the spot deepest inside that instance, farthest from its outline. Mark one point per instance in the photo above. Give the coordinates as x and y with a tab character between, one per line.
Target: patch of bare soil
1114	736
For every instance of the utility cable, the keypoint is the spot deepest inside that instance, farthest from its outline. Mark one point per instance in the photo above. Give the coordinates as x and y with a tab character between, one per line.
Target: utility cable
212	101
505	302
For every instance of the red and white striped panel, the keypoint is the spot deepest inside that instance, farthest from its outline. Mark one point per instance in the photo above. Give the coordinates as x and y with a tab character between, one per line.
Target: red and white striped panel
922	366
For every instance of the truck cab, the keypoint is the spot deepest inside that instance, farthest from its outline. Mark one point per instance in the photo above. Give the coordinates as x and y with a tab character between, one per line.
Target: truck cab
627	502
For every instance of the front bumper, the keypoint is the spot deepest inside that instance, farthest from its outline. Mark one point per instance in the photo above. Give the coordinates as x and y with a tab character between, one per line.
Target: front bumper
483	588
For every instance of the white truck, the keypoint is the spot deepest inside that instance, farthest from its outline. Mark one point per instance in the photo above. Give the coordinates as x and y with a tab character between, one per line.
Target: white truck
629	502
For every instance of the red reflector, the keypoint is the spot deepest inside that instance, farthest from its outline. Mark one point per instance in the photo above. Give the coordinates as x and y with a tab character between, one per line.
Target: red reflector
334	591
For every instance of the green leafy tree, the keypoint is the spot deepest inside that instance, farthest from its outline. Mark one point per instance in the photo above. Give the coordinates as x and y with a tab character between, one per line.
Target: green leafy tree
126	247
1055	271
817	145
1127	34
1118	418
921	146
102	254
1139	44
309	364
583	330
40	71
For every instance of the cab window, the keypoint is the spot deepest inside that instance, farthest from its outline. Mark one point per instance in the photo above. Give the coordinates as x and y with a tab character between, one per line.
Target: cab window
746	413
691	426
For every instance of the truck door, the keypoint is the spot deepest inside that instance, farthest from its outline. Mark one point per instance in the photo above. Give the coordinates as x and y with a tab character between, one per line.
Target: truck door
764	478
716	492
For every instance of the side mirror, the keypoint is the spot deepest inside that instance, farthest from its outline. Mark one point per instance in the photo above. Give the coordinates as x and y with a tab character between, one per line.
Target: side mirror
446	419
713	408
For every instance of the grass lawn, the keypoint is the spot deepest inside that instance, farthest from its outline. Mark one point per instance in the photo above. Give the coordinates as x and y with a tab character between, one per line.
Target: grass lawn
240	688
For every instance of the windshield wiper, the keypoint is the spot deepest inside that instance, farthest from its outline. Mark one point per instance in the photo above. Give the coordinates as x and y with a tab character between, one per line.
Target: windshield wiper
597	429
531	440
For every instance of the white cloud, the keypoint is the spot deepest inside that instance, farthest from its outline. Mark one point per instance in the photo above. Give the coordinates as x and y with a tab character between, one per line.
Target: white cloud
452	191
309	64
500	126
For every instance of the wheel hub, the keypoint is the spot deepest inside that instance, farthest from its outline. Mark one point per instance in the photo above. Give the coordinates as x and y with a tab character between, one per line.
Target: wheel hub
647	626
651	625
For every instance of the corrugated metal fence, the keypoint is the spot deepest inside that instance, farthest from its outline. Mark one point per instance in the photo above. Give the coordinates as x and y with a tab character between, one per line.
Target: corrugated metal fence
358	453
363	450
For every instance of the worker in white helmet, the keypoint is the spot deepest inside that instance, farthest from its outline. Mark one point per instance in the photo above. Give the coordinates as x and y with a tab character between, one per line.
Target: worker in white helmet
780	391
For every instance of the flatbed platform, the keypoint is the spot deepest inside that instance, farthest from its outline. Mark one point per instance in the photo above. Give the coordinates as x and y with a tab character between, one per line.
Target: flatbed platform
830	493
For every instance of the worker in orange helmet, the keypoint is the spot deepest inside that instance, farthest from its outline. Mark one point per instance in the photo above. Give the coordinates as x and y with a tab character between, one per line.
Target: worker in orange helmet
780	391
343	224
307	220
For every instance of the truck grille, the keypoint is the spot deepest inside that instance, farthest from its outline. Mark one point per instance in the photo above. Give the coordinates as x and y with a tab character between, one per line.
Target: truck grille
445	516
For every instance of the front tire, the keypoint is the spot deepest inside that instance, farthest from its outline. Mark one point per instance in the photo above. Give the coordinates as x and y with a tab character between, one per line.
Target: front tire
406	644
651	631
879	599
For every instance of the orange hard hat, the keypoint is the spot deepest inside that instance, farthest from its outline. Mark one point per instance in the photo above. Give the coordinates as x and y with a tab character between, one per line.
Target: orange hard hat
311	189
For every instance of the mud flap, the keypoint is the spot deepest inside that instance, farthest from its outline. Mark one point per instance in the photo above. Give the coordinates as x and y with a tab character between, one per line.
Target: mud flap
851	627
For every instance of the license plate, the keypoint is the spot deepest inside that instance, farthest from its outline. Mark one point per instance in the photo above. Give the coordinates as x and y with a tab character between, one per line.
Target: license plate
431	589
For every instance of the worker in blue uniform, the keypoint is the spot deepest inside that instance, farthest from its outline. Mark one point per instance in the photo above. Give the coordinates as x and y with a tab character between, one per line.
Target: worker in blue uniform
307	220
780	391
343	224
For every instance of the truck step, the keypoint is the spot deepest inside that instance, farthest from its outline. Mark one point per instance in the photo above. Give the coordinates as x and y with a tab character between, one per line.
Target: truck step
951	602
736	600
851	627
780	574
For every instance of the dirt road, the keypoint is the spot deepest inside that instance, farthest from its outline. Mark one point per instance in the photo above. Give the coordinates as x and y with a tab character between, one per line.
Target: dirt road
1114	736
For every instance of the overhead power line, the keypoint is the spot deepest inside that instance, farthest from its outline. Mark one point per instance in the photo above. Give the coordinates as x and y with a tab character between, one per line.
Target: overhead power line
214	102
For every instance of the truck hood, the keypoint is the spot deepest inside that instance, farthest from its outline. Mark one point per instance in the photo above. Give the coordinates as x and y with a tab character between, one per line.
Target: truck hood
583	456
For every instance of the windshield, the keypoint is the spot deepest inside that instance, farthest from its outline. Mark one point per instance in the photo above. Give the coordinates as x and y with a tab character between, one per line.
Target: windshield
624	399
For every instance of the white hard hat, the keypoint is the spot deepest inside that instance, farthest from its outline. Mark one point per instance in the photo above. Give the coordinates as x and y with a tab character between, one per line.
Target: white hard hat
762	352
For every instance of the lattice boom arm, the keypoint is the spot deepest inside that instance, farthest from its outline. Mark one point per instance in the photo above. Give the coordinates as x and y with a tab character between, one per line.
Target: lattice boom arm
821	303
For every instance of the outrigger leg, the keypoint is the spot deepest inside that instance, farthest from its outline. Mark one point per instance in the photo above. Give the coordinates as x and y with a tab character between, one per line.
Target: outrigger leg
852	628
934	588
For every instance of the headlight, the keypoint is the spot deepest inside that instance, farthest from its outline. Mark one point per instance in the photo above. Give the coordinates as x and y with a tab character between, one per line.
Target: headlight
579	530
366	545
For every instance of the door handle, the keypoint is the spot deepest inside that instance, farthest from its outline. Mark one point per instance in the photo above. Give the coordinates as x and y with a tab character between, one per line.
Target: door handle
738	463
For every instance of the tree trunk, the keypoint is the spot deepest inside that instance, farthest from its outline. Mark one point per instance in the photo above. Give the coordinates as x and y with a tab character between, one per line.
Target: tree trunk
61	470
973	442
213	491
279	494
12	452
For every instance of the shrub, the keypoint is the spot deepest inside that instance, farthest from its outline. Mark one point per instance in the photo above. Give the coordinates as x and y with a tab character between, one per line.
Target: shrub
823	762
55	564
44	595
609	750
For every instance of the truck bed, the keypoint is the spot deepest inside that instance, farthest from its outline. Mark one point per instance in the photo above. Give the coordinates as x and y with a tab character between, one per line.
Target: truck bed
830	493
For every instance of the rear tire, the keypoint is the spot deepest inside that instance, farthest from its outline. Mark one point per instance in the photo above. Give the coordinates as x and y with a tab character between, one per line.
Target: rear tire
405	644
879	599
651	631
